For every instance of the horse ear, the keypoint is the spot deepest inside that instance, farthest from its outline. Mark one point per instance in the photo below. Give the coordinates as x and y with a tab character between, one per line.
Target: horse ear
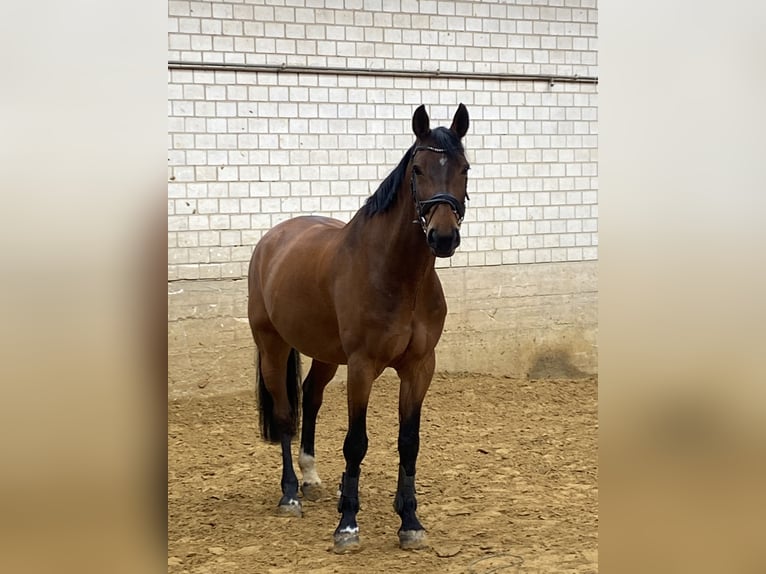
420	123
460	121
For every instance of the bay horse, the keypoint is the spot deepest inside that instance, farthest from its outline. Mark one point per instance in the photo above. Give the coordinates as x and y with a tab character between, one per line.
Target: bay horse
364	294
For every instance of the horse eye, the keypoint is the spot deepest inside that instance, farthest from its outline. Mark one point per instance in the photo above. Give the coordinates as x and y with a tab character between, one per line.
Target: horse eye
416	170
465	170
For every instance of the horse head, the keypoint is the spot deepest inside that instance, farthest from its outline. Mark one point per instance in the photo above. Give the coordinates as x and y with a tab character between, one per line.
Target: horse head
439	179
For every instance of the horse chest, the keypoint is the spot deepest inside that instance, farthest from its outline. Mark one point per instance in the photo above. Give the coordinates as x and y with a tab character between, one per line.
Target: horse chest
390	340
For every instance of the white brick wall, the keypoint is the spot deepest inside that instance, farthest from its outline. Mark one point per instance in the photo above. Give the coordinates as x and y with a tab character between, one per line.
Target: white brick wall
533	37
250	149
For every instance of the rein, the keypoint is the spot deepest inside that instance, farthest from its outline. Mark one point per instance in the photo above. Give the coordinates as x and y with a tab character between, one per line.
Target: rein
423	207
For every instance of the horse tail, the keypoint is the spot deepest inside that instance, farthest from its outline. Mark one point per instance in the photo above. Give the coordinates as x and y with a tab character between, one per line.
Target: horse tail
271	428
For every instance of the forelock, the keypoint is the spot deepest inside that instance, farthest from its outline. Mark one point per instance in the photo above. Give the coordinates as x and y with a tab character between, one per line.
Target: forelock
447	140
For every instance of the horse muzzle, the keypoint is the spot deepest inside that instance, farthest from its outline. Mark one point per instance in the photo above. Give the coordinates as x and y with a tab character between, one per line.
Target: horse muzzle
443	244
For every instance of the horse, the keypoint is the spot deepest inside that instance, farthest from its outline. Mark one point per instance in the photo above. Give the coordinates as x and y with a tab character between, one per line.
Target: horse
363	294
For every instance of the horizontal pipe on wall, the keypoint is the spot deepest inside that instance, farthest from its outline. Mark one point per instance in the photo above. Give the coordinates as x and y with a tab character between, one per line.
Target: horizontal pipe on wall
338	71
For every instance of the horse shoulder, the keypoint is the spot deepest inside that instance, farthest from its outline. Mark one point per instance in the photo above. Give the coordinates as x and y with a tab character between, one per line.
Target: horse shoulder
433	303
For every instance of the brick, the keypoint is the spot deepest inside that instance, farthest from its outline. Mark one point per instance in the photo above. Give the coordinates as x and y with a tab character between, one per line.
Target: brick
301	143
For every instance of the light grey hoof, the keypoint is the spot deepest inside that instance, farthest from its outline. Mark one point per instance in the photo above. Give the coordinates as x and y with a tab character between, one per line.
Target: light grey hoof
312	492
290	507
412	539
346	542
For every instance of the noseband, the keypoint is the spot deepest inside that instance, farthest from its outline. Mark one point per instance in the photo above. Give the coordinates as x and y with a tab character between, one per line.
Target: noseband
423	207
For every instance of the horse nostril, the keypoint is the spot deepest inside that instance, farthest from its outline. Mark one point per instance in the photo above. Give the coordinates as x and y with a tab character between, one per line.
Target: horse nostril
443	245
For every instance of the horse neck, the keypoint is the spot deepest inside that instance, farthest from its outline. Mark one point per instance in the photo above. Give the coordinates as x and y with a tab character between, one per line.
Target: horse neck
396	242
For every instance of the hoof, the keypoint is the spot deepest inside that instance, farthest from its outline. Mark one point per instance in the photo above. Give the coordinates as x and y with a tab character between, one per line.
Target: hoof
412	539
290	507
346	542
312	492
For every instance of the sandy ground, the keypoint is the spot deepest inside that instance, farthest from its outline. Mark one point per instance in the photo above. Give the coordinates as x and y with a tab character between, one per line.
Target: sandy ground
507	482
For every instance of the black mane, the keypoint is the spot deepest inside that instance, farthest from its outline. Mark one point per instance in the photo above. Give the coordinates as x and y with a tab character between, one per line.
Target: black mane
384	196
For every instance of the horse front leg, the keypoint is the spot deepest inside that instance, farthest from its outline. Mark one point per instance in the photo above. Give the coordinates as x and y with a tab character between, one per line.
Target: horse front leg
415	380
360	378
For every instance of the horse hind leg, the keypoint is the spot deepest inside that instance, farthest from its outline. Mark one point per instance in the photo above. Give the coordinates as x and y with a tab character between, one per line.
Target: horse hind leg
278	401
320	374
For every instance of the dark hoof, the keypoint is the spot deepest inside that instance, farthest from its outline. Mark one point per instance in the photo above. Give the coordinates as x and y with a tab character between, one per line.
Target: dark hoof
312	492
346	542
289	507
412	539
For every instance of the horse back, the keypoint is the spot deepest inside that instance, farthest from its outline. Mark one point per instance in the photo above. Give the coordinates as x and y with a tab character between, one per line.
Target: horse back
298	234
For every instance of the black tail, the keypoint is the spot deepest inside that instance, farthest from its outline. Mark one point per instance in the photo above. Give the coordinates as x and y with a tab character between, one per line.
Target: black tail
271	430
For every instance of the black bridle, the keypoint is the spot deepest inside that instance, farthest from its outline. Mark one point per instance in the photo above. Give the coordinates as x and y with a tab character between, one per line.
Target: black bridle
423	207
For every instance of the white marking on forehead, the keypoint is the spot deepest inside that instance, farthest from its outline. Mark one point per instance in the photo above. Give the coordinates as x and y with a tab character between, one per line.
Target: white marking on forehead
442	161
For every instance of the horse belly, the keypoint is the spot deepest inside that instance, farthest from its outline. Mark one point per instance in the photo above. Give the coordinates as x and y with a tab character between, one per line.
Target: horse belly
295	269
312	329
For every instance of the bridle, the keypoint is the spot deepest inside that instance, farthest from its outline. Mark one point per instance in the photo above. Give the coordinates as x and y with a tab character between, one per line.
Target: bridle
423	207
